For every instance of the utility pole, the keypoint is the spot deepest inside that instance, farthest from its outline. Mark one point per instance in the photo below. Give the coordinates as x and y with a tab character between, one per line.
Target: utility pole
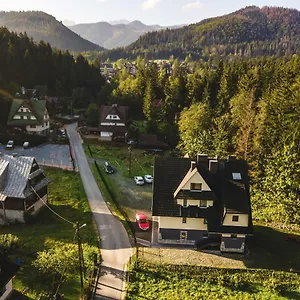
129	169
80	253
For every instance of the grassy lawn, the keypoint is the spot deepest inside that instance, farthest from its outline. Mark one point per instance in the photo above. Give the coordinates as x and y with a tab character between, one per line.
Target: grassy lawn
155	281
131	198
119	157
67	198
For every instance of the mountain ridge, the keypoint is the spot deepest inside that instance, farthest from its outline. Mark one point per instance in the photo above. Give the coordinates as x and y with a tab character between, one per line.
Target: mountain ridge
111	36
42	26
248	32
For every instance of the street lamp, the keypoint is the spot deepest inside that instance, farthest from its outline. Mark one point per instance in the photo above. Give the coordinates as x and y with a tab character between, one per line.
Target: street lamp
80	252
129	168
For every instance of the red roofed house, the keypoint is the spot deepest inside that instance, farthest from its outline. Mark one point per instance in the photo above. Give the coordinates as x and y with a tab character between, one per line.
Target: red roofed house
113	120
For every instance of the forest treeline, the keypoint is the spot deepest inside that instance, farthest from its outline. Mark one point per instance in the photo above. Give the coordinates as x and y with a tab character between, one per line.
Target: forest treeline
248	107
26	63
249	32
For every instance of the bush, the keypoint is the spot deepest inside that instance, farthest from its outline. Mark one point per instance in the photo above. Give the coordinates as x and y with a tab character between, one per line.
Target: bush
8	243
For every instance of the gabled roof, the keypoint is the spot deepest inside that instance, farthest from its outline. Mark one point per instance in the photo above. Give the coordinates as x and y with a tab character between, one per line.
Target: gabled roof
37	108
7	271
16	177
121	111
170	174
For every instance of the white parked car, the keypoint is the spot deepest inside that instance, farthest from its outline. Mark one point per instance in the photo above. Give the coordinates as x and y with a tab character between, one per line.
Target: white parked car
148	178
139	180
10	145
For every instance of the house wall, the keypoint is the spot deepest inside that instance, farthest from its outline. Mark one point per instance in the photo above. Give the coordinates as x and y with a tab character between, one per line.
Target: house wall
170	229
38	205
12	216
8	290
172	236
176	223
229	244
243	220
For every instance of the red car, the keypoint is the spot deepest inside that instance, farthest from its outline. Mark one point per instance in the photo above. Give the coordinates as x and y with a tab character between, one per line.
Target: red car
142	222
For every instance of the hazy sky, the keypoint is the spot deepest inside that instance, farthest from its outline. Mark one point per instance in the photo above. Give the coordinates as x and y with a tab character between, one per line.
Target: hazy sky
163	12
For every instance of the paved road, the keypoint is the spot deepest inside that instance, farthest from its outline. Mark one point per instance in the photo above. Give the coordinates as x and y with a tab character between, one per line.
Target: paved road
115	245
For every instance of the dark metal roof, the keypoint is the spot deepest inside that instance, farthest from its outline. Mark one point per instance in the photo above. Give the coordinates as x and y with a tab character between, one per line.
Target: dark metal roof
121	111
228	193
7	271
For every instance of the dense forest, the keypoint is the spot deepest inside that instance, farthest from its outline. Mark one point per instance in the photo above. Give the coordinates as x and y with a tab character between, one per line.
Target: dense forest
41	26
248	107
249	32
25	63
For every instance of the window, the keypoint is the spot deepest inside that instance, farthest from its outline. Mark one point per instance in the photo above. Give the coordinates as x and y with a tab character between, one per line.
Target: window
183	235
22	117
184	202
235	218
236	176
21	109
196	186
205	235
184	220
205	221
203	203
233	236
32	126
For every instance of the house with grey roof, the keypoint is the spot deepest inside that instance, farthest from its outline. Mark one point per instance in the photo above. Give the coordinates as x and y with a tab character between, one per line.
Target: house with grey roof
202	202
23	188
30	115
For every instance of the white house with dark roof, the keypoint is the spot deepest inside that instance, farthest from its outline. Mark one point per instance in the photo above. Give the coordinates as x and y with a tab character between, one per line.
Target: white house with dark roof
30	115
113	122
202	201
22	186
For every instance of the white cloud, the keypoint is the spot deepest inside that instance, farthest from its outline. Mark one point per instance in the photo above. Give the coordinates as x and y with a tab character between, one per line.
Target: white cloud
192	5
149	4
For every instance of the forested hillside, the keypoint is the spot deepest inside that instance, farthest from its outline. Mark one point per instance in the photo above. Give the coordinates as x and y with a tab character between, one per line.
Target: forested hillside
41	26
248	107
249	32
25	63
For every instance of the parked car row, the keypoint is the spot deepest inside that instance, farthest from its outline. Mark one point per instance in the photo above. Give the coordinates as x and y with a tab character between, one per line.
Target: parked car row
139	180
11	145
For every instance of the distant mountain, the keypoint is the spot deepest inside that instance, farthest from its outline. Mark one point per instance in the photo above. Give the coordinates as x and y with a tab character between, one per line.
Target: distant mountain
117	22
248	32
68	22
41	26
112	36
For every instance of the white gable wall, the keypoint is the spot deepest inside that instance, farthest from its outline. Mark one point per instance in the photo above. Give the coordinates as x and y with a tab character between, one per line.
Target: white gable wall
196	178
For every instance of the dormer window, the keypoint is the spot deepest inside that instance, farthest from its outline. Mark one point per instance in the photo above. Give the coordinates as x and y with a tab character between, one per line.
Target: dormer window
196	187
236	176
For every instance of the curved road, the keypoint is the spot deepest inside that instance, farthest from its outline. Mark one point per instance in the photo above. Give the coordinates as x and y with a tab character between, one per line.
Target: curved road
115	245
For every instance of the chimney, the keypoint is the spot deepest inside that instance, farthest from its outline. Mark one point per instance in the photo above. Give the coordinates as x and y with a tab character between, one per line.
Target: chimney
202	160
193	165
213	166
231	157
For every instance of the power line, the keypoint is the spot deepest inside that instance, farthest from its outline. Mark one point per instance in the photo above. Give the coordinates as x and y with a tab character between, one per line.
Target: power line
45	203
